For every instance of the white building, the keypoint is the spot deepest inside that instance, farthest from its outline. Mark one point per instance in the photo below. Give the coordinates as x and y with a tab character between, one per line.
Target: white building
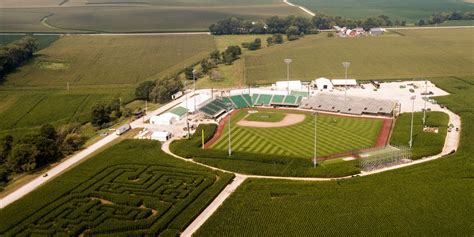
322	83
164	119
344	82
161	136
285	85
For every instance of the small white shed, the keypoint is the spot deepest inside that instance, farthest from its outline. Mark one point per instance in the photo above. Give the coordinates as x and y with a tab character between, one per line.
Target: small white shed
323	83
161	136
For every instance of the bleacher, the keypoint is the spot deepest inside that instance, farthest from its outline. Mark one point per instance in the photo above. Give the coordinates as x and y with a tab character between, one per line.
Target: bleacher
263	100
214	108
241	101
277	99
288	100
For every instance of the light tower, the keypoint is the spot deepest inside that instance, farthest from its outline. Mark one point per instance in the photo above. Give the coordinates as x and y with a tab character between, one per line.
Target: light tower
425	98
346	66
412	115
229	108
315	161
194	91
288	61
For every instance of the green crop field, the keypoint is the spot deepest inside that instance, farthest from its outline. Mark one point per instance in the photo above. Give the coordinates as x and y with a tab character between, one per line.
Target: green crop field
429	199
335	134
109	60
132	16
424	143
408	10
420	53
132	188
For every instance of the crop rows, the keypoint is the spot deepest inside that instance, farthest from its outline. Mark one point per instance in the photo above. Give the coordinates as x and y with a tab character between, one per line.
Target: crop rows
119	199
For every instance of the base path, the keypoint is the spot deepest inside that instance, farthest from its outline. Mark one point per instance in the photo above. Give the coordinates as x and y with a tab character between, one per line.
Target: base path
288	120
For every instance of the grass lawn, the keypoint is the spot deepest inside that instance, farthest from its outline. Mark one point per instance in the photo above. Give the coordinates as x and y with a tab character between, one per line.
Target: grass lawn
131	188
430	199
417	54
410	11
424	143
335	134
265	117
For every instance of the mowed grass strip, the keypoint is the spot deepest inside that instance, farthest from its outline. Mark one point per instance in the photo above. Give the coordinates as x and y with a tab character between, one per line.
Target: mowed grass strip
335	134
420	53
111	60
265	117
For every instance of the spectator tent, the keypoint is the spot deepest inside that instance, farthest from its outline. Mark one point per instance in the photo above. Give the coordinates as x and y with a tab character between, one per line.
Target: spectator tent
323	83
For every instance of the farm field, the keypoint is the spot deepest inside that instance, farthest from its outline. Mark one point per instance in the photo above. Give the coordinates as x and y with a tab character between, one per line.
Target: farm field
336	134
132	16
43	41
417	54
408	10
131	188
23	111
424	143
110	60
425	199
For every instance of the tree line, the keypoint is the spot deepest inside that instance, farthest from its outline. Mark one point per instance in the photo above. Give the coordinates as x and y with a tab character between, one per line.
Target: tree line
37	149
159	91
16	53
438	18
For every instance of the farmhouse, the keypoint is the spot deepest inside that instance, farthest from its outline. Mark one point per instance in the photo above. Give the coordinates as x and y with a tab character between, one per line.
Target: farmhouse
322	83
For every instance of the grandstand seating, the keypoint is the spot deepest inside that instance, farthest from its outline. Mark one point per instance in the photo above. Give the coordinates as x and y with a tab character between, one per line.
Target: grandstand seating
277	99
255	98
263	99
214	108
290	99
240	101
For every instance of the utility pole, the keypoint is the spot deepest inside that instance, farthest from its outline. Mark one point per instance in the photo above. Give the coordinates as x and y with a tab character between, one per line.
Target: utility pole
229	108
346	67
288	61
194	91
425	98
315	161
412	115
187	119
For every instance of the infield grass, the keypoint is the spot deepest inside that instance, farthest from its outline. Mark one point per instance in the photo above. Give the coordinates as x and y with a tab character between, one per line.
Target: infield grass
335	134
265	117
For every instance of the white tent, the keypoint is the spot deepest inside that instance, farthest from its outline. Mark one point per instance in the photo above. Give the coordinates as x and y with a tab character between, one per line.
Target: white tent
292	85
323	83
161	136
344	82
164	119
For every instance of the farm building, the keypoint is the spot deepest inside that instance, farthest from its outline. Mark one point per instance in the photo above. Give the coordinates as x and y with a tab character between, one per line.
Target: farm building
164	119
344	82
288	85
377	31
322	83
161	136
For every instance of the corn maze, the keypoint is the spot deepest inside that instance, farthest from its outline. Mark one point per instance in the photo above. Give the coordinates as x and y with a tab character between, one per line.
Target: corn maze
125	199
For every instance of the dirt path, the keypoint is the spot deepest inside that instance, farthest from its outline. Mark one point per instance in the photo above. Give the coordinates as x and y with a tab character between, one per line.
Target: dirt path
288	120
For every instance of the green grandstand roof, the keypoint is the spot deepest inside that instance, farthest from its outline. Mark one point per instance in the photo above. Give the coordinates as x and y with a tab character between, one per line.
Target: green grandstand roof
180	111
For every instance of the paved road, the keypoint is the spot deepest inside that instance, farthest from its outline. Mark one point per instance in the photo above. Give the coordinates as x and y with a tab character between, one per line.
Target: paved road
75	159
309	12
428	27
117	34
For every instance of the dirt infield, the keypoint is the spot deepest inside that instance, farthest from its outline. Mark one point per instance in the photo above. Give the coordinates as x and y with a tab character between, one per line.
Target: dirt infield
288	120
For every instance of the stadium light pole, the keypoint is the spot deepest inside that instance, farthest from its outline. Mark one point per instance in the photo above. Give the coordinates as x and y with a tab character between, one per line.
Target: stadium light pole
288	61
229	108
194	91
187	119
315	161
425	98
412	115
346	66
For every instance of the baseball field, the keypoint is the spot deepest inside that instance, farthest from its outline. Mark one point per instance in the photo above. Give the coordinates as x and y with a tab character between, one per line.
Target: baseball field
291	133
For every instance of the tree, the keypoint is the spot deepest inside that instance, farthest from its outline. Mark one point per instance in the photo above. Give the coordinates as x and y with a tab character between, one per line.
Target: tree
143	90
165	88
71	143
292	30
188	73
48	131
100	115
22	158
6	146
256	44
278	39
269	41
215	56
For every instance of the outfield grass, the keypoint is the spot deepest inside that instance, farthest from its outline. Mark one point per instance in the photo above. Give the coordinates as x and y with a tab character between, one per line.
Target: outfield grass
131	188
111	60
424	144
265	117
335	134
417	54
429	199
410	11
